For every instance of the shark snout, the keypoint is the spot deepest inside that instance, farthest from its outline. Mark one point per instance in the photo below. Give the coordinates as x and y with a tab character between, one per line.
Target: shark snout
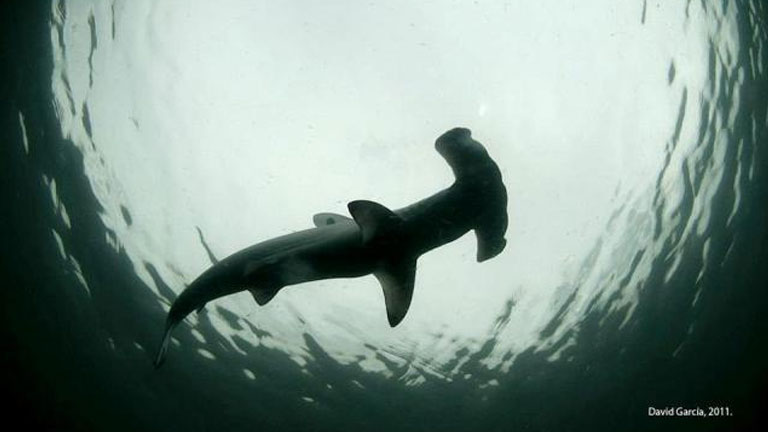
449	141
458	132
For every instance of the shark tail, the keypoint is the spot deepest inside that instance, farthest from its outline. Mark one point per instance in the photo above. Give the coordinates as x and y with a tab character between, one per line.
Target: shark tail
188	301
161	352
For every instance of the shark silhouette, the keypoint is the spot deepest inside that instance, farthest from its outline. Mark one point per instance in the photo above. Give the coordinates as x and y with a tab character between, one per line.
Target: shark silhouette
375	240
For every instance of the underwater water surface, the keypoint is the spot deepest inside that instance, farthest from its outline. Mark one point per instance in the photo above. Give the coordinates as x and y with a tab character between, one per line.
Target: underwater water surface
140	137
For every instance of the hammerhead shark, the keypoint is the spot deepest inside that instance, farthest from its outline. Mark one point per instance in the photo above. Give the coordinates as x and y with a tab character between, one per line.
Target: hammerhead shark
376	240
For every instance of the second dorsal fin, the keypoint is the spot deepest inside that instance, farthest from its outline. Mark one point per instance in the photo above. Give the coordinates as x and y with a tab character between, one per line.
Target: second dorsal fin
263	295
325	219
374	219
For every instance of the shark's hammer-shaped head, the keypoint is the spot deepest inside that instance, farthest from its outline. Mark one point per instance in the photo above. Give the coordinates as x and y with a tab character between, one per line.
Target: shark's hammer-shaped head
483	185
465	155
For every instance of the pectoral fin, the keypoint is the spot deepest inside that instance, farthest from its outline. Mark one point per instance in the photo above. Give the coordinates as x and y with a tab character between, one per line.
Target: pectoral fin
324	219
396	279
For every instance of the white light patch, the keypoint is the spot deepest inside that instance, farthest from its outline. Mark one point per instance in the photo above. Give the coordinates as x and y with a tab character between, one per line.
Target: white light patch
23	128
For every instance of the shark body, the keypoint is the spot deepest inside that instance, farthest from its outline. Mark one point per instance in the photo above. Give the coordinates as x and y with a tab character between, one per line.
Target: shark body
375	240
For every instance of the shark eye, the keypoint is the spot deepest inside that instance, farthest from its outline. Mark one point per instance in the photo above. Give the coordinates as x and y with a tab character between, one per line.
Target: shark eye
330	221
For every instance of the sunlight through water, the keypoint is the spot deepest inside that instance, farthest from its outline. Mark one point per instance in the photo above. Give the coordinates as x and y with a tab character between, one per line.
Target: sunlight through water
628	136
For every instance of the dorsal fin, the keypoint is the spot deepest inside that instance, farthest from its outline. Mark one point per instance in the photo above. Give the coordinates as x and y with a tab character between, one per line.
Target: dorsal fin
373	218
325	219
396	279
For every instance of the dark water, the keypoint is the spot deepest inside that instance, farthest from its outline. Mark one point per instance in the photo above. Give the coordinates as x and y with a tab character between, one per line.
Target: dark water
663	309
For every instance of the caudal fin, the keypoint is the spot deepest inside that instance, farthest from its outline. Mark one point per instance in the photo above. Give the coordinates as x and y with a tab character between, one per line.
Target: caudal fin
160	358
